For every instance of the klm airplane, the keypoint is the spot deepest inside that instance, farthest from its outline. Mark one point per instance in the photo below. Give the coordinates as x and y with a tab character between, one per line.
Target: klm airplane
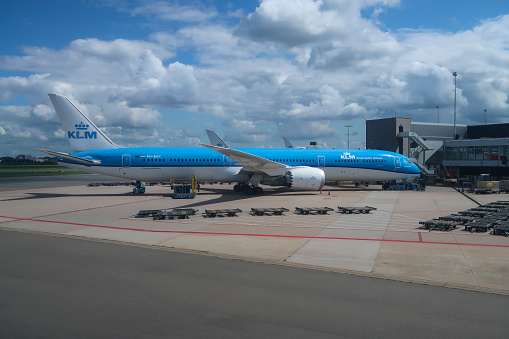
303	169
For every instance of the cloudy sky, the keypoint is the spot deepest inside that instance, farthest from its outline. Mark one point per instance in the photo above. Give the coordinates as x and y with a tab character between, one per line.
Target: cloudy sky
158	73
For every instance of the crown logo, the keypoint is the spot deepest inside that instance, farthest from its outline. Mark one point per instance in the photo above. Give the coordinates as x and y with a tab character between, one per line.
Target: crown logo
81	126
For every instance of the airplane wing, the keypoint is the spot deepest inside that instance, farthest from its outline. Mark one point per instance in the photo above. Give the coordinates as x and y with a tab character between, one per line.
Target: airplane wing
250	162
69	157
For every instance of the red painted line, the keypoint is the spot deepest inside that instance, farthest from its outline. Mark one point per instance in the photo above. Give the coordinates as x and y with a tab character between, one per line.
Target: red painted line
250	235
420	236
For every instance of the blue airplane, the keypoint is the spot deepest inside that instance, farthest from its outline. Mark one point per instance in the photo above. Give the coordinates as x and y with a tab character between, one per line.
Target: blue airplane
303	169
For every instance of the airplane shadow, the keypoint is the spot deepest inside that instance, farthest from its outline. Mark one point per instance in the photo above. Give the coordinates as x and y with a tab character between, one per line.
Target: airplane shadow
225	195
31	196
228	195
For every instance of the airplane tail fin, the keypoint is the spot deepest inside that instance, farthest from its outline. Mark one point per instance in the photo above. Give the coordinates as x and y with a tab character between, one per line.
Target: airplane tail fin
82	134
288	144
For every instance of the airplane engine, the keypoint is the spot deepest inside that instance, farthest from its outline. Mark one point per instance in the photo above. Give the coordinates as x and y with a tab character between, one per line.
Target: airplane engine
305	178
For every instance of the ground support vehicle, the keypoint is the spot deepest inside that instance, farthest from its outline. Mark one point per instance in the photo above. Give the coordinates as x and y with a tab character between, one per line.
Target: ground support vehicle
485	187
479	226
274	211
503	186
222	212
184	188
404	187
147	213
351	210
179	213
316	210
438	225
462	219
501	229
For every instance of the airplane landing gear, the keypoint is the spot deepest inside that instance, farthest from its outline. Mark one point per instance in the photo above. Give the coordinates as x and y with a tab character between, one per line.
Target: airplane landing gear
248	189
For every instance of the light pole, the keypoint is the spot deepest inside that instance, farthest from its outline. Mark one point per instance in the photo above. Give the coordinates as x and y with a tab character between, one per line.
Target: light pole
348	126
455	75
438	114
485	110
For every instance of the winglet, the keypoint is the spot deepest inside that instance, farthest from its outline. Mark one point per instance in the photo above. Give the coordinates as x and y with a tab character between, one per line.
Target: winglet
215	140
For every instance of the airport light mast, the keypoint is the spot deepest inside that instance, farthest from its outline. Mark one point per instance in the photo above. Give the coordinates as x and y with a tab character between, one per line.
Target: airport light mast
455	75
348	126
485	110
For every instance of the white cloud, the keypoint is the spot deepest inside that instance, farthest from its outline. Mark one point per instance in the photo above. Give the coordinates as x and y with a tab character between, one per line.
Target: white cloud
172	12
330	106
290	67
153	84
44	112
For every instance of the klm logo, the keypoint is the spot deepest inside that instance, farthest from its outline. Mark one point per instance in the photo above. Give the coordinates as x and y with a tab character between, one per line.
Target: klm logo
81	132
347	156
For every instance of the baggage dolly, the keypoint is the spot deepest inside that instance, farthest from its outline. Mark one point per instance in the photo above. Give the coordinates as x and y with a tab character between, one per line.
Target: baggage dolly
317	210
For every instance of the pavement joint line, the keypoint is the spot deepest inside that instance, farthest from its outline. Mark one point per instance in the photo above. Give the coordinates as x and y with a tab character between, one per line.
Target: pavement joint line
467	261
285	263
252	234
402	215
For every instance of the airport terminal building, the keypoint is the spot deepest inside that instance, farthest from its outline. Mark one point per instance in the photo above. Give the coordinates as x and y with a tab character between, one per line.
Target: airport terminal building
439	151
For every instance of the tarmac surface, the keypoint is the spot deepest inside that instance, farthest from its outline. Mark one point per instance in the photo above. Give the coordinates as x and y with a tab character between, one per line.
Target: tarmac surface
384	243
82	280
54	287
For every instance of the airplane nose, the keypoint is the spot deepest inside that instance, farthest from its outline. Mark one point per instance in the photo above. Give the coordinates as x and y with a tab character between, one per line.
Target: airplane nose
415	169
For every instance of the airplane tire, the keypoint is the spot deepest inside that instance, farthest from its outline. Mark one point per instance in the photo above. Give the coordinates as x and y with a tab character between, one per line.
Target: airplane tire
258	190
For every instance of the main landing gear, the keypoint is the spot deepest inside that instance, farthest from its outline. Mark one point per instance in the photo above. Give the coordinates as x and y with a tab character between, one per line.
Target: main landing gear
248	189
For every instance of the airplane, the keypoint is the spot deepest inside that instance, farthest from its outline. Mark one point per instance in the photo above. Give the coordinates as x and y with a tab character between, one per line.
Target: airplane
288	144
302	170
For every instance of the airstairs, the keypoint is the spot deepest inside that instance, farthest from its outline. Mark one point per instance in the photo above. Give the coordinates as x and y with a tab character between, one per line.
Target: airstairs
421	147
414	137
421	166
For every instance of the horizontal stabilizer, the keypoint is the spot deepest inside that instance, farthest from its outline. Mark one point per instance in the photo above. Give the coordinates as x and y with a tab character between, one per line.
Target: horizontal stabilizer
69	157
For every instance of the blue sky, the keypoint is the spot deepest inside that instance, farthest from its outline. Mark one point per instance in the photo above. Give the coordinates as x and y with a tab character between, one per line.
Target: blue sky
157	73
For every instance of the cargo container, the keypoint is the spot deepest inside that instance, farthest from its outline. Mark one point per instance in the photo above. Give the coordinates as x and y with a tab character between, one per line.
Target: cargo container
487	187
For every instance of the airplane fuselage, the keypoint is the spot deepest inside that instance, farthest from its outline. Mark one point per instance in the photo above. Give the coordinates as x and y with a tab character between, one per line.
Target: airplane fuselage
163	164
